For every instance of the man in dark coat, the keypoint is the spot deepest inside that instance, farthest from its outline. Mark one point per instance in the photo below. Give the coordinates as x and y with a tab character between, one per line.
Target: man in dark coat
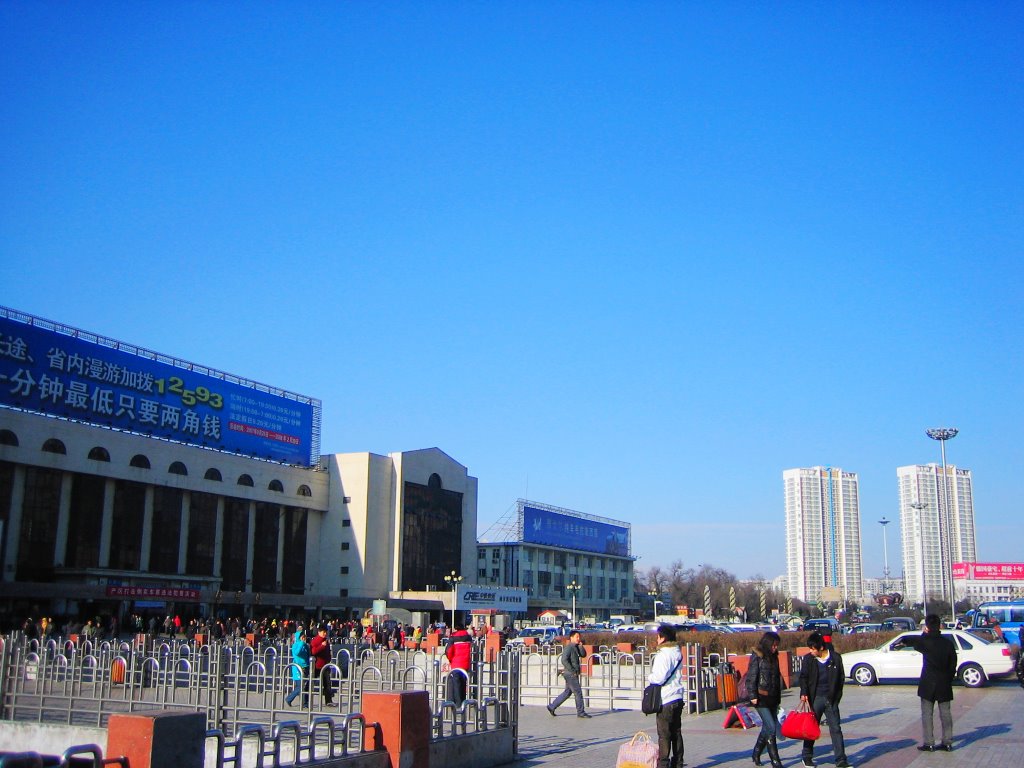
821	687
936	684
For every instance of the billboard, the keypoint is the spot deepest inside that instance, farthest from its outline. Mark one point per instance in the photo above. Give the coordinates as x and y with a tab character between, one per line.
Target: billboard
500	599
61	371
560	529
989	571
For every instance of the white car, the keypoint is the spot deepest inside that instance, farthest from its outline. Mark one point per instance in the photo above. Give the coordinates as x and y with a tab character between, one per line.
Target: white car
977	660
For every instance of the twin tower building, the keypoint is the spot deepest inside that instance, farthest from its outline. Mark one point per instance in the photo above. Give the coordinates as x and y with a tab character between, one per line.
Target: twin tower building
823	531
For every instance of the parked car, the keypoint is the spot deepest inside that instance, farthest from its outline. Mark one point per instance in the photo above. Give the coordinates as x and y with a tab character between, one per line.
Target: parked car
825	626
629	628
860	629
542	635
899	624
978	660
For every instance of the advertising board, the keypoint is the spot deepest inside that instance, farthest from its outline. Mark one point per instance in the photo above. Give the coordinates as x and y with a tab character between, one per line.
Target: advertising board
545	526
60	371
501	599
989	571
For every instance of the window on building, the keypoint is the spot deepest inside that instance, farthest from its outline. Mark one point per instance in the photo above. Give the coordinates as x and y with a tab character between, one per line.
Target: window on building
276	485
8	438
139	461
53	445
246	480
481	554
482	573
344	570
345	546
126	530
346	523
495	573
304	491
177	468
495	555
99	454
213	474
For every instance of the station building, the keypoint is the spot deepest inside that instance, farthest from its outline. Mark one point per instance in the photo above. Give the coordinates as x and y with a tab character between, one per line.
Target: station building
555	553
97	518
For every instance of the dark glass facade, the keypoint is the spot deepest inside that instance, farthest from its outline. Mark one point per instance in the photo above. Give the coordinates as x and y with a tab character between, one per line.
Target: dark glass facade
431	535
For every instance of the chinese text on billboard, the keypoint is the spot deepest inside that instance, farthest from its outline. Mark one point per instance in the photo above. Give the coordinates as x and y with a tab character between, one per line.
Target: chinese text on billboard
543	526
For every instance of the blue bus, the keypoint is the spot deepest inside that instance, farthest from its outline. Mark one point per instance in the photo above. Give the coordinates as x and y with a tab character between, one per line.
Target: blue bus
1009	614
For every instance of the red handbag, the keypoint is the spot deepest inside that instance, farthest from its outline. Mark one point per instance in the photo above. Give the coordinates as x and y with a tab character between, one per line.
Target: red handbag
801	724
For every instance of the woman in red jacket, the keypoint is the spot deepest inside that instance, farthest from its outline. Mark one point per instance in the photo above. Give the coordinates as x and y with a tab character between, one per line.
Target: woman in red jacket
459	653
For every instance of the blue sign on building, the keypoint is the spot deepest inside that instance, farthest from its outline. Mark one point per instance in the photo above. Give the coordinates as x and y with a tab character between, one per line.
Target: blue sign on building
59	371
545	526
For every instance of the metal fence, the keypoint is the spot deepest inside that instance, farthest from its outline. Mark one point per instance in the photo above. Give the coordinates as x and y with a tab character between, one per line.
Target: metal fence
236	686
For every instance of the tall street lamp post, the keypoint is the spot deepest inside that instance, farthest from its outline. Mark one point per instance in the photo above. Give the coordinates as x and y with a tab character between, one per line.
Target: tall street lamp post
885	555
918	506
942	434
654	596
574	587
454	580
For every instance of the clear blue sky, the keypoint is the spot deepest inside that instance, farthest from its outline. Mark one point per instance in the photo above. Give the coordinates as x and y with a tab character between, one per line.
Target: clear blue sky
633	259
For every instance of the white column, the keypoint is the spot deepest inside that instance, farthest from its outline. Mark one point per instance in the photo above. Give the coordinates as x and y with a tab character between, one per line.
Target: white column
13	533
250	546
107	524
147	530
186	514
60	548
218	538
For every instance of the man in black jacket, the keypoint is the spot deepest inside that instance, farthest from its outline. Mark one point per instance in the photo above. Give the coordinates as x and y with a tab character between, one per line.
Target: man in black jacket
936	684
821	686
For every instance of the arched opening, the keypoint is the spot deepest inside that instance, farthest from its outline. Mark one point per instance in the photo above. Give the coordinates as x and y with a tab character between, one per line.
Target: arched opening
140	461
53	445
304	491
8	438
275	485
177	468
434	481
99	454
245	480
213	474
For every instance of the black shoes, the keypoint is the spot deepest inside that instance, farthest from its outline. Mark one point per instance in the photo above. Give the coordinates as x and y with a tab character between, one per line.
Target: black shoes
581	714
550	710
946	747
926	748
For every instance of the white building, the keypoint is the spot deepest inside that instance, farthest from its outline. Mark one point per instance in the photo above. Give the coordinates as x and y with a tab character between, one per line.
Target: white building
934	534
131	482
987	582
549	549
823	548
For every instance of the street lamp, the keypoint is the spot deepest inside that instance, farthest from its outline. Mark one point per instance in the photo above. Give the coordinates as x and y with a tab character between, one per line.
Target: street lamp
574	587
454	580
942	434
918	506
654	595
885	554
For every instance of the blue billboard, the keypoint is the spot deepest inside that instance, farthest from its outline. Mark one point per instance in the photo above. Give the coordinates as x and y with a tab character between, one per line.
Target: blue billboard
557	529
59	371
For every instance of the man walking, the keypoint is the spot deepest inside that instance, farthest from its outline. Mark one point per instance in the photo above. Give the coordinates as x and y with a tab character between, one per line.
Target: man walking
666	671
572	654
821	686
936	686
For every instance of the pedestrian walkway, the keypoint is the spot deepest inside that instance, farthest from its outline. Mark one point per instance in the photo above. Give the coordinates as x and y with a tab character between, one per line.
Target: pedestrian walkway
882	725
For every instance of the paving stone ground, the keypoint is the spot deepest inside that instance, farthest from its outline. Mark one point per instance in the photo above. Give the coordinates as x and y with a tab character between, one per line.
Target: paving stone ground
882	726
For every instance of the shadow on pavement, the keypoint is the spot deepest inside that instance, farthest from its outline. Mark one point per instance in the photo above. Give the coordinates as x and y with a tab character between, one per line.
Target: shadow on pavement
862	715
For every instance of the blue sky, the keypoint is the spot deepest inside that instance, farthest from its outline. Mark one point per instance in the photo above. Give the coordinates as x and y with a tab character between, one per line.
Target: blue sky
630	259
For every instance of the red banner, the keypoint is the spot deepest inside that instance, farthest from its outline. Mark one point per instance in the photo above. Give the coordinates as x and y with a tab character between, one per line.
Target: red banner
154	593
989	571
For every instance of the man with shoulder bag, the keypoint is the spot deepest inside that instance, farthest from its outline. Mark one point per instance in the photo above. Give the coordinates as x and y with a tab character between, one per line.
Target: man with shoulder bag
666	672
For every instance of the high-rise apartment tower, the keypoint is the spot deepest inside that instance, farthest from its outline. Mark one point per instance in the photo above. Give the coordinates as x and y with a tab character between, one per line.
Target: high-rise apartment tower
822	532
935	534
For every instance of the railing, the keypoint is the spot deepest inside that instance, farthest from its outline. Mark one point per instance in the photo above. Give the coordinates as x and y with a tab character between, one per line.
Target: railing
235	685
84	756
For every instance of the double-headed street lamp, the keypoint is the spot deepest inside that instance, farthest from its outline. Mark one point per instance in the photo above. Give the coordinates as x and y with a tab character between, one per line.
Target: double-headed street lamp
942	434
654	595
885	554
574	587
454	580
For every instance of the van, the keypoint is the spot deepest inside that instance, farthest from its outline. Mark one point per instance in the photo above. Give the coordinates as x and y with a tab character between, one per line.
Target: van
899	624
824	626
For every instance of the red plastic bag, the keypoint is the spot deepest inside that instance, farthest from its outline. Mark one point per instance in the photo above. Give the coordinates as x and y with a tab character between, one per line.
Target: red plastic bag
801	724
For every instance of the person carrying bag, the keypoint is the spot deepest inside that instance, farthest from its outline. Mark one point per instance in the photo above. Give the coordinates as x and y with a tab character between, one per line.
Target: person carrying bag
667	679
